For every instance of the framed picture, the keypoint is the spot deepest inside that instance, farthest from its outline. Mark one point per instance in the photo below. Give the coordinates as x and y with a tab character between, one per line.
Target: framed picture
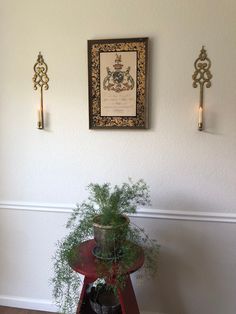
117	70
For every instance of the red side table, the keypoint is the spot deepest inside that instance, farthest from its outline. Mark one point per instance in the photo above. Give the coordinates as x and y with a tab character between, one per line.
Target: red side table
86	264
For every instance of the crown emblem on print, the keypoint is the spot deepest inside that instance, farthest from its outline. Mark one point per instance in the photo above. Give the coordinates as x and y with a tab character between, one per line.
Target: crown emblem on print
118	80
118	66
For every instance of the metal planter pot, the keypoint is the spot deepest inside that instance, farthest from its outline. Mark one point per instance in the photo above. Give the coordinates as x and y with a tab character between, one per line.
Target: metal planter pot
110	238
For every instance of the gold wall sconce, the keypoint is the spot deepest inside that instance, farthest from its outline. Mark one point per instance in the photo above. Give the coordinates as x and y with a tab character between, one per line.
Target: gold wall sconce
202	77
40	80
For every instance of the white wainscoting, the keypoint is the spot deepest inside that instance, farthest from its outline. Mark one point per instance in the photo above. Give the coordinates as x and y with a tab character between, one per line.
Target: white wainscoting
27	303
35	304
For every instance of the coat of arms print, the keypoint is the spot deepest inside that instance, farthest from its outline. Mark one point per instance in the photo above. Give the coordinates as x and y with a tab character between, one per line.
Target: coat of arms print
118	80
117	83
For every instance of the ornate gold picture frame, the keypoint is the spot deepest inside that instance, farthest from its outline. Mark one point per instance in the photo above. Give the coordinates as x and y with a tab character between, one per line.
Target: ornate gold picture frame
117	73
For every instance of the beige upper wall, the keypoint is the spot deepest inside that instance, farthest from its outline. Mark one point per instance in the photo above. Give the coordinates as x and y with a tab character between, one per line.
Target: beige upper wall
186	169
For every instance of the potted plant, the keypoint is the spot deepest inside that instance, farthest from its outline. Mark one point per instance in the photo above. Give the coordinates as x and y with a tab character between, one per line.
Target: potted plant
103	217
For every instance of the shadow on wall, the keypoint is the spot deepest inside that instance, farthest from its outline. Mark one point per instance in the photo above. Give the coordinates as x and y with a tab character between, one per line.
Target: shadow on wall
163	294
196	273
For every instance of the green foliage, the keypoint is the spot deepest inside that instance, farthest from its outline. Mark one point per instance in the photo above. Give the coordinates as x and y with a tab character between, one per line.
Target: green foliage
109	204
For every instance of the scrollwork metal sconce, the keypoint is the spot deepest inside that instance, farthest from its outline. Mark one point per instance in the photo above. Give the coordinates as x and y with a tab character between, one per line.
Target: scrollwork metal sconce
202	76
40	80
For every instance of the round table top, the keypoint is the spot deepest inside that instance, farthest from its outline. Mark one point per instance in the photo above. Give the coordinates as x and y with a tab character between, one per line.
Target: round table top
85	263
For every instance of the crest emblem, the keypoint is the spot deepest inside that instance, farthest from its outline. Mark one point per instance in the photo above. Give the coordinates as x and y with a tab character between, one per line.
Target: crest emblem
118	80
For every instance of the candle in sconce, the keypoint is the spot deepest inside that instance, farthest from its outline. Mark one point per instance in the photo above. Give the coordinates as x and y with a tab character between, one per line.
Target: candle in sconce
40	118
38	111
200	118
200	114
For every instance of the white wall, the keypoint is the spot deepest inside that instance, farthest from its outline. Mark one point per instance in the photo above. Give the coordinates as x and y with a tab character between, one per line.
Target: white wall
188	171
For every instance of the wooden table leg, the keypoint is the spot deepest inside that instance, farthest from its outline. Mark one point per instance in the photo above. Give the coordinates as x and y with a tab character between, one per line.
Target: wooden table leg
127	299
86	282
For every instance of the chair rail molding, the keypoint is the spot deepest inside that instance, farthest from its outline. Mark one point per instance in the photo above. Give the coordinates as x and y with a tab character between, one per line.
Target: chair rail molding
226	217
